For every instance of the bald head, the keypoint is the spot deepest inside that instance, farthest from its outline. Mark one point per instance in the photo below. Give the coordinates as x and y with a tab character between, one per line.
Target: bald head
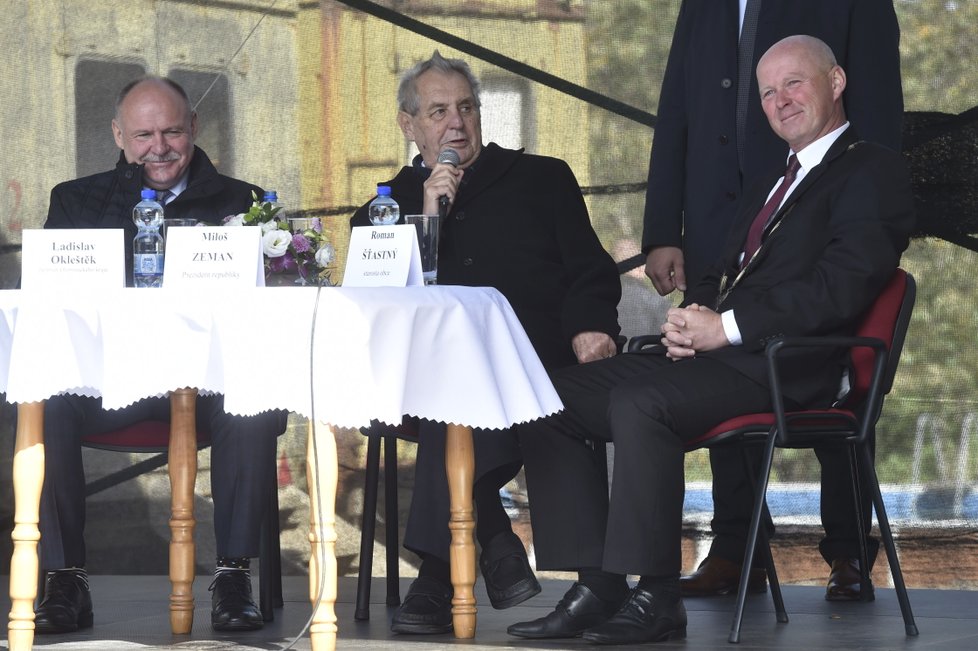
801	88
155	126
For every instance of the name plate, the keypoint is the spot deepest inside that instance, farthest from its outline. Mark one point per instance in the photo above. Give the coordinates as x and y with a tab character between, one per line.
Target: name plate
213	255
73	257
383	256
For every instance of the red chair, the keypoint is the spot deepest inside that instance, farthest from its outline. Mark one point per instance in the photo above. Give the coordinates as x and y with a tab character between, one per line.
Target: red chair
875	354
154	436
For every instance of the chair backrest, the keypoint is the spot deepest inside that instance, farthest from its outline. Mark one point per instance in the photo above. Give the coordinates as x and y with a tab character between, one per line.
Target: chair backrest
887	319
144	436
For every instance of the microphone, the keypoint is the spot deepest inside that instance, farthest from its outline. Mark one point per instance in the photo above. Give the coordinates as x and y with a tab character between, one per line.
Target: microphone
450	157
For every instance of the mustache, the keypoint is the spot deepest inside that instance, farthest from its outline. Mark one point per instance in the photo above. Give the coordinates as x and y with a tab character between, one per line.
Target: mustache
165	158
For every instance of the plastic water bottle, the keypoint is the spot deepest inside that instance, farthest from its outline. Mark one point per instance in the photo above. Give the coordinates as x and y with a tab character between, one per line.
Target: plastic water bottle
383	210
147	247
271	196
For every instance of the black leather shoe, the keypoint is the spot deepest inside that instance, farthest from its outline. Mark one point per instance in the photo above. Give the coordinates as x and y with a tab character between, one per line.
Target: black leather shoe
578	610
67	603
426	610
506	571
232	606
717	576
845	583
642	618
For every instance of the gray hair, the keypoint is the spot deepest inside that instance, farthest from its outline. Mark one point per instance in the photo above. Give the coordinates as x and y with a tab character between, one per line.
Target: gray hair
163	80
407	92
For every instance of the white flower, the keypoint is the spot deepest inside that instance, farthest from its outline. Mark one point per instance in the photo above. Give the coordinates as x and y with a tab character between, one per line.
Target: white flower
325	255
234	220
269	226
275	243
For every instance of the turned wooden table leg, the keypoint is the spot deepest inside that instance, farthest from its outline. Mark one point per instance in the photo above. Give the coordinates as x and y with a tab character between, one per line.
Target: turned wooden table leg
321	475
28	475
183	476
460	467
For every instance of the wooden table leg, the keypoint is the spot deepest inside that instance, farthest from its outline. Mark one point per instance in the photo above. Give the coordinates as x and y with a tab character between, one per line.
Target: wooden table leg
460	468
183	476
28	475
321	474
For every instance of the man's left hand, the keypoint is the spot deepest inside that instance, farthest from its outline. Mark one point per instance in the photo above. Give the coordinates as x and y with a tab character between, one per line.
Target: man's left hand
692	329
589	346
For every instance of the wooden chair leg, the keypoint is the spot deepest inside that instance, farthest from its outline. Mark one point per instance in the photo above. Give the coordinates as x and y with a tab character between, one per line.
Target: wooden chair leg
391	520
367	527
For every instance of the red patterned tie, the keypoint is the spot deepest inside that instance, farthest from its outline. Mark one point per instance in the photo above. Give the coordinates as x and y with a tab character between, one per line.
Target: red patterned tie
757	226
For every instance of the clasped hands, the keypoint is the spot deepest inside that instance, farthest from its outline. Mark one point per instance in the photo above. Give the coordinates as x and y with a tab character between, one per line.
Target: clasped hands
692	329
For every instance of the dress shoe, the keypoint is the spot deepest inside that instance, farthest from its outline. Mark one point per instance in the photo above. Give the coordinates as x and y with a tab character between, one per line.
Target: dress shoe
845	582
232	606
642	618
67	603
426	610
717	576
506	571
578	610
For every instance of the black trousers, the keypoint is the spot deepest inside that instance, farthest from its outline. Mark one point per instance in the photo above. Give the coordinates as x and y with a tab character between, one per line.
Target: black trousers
647	405
426	532
733	499
242	456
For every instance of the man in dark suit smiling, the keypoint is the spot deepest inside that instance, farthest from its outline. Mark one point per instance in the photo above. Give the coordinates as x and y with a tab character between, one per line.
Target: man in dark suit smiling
815	260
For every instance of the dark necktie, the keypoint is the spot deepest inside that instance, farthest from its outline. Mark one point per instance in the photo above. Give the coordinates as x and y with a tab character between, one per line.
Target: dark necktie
745	72
756	231
164	197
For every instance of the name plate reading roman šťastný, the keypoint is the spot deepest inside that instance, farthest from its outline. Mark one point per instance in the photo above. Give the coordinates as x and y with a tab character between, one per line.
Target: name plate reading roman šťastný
383	256
213	255
73	257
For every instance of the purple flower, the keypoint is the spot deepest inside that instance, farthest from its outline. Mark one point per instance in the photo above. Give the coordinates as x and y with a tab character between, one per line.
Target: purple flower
282	264
300	243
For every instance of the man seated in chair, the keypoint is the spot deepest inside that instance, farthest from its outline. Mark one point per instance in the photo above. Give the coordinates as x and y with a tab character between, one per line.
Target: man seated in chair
804	259
516	222
155	127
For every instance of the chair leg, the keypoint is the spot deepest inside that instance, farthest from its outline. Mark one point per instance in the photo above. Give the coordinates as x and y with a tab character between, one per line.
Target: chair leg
867	592
391	519
772	573
753	532
367	527
270	561
887	535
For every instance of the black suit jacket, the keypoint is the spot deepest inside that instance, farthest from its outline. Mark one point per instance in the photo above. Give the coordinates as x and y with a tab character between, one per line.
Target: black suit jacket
520	224
694	177
106	199
825	257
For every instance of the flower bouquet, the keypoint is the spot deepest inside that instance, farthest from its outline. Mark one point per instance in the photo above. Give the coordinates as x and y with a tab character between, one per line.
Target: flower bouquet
298	246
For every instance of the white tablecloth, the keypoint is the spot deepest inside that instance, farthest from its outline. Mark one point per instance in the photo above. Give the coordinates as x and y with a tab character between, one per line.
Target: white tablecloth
345	356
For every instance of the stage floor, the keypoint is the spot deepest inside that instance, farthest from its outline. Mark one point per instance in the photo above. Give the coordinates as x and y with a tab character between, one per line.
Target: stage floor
131	614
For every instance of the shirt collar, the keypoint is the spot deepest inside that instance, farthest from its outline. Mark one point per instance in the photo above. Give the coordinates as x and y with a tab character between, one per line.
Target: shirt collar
813	154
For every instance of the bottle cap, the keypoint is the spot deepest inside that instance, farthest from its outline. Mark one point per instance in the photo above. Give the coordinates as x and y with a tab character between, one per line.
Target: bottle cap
271	196
148	195
383	190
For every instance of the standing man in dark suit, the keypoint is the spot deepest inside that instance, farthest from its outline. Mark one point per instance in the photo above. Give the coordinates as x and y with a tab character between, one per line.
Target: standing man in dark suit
834	238
712	142
155	127
516	222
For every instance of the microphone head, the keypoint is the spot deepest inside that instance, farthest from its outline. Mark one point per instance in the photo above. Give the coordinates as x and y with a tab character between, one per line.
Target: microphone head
449	156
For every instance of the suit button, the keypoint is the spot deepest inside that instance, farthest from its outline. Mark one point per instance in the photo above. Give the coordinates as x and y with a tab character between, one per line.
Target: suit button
467	262
460	216
724	140
731	195
726	83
